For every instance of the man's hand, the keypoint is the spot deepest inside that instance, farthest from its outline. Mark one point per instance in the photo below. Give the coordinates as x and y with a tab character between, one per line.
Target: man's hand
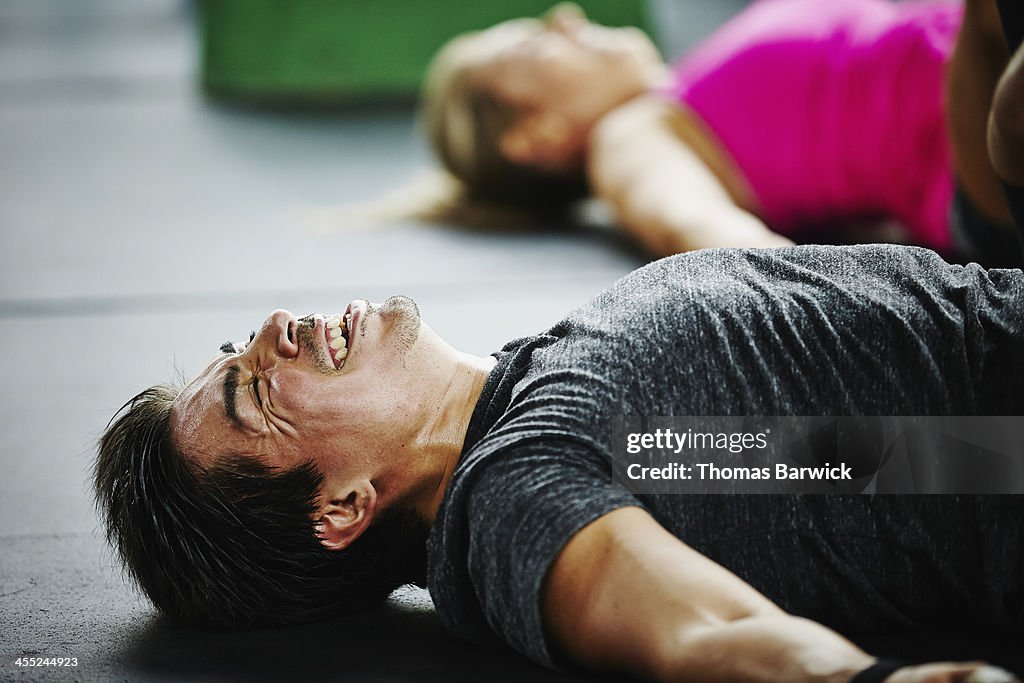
950	672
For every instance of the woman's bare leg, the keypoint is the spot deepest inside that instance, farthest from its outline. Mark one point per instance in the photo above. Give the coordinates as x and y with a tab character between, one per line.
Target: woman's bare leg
977	63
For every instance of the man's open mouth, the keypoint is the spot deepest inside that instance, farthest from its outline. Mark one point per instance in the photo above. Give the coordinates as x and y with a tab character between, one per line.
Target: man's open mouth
337	329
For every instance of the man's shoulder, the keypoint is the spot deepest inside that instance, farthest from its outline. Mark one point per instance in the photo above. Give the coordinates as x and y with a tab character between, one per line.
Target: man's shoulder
780	263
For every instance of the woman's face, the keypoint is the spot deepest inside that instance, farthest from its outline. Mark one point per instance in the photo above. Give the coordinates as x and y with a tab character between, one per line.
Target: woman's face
566	65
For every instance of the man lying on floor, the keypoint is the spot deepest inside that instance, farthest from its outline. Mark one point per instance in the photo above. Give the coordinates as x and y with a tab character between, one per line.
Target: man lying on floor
310	471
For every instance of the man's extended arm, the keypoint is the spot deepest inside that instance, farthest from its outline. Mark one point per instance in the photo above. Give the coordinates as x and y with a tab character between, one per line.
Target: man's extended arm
624	595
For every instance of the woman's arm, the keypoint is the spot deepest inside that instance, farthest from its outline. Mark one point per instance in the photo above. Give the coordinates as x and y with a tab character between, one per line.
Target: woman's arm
626	596
649	166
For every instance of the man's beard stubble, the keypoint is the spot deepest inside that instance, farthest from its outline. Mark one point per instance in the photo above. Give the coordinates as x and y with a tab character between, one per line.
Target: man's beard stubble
405	316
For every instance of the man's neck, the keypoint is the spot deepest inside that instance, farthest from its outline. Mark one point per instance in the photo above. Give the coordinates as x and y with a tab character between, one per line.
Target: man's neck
447	433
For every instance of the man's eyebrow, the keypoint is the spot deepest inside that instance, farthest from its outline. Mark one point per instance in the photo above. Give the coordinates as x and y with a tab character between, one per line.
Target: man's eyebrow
230	387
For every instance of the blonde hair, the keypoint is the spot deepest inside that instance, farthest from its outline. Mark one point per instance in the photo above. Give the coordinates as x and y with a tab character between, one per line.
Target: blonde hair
479	187
465	124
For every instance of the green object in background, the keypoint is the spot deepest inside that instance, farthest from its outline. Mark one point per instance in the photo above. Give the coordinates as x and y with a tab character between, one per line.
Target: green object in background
347	51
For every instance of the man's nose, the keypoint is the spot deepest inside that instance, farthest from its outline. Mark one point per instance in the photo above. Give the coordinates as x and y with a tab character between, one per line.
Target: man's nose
279	334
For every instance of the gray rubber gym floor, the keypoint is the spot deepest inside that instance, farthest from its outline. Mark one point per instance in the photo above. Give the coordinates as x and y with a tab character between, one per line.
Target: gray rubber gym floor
141	226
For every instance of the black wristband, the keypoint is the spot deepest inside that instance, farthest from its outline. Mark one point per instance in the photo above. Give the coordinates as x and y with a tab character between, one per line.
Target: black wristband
879	671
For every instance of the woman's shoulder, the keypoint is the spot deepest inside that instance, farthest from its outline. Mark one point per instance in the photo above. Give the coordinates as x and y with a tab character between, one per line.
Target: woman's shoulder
652	132
640	117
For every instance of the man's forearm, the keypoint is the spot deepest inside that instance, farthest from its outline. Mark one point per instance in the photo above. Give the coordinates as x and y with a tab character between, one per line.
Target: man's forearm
763	648
626	596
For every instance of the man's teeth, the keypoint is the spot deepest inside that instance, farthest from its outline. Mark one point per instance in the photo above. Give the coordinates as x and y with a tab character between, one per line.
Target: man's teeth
337	328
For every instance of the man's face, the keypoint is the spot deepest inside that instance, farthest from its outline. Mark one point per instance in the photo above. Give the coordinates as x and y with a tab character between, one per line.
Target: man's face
288	396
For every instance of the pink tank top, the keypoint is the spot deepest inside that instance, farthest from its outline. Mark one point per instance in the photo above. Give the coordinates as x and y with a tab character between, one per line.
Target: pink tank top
833	108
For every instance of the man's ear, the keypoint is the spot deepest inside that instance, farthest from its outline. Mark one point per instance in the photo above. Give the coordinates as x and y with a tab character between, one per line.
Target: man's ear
345	513
543	140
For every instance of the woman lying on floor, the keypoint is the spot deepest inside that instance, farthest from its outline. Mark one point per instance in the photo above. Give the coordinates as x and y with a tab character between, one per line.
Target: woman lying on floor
797	113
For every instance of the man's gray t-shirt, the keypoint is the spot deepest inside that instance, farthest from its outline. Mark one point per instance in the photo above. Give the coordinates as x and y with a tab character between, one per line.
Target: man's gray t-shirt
866	330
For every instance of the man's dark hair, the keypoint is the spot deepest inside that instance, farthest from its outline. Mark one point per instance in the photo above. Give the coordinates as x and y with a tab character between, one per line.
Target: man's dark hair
234	545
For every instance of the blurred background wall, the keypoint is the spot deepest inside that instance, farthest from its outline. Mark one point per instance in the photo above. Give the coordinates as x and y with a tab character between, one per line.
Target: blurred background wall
317	51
